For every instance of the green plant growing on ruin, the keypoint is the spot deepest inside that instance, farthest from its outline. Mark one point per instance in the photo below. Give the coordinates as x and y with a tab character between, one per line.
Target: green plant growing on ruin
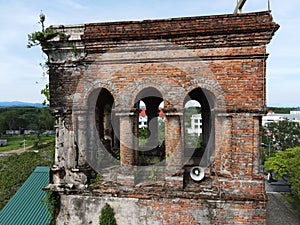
107	216
51	201
152	175
38	37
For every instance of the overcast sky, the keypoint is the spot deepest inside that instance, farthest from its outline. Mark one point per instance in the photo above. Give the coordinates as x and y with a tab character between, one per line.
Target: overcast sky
21	75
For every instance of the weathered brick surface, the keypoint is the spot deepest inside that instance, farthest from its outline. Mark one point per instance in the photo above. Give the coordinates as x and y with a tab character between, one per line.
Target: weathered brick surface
223	55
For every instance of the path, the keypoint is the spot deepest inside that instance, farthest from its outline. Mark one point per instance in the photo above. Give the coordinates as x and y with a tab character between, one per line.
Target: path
17	151
280	211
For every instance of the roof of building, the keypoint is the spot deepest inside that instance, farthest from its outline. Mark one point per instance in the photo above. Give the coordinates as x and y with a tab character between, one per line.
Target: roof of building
296	110
27	206
143	112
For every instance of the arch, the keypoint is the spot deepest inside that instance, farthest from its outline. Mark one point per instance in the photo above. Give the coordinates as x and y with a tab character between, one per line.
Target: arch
152	149
199	137
96	129
87	92
106	122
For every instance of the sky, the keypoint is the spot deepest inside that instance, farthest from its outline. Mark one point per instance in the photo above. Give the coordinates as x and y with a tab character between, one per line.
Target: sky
22	76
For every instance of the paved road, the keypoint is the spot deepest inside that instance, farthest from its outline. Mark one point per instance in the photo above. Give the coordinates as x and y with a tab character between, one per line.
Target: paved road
280	211
278	186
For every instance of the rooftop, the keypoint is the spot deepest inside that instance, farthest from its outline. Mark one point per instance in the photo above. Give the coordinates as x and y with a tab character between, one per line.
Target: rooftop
26	206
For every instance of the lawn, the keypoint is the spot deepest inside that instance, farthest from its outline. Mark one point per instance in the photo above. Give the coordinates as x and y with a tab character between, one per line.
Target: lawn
17	141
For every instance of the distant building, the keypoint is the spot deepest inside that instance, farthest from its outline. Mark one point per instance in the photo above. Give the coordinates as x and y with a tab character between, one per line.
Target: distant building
3	142
272	117
196	125
12	132
295	112
143	118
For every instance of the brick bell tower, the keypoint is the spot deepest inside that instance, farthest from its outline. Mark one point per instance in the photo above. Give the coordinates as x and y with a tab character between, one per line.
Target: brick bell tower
101	74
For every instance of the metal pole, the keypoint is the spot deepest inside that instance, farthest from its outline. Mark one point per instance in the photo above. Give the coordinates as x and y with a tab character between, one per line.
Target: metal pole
239	6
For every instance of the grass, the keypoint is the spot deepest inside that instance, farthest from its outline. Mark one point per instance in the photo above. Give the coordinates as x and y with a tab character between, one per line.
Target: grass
294	201
16	168
17	141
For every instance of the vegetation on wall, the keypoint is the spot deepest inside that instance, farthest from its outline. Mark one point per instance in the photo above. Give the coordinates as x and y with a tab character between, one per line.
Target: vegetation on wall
107	216
52	199
39	37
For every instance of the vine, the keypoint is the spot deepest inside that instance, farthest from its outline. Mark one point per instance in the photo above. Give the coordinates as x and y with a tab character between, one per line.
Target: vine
39	37
51	200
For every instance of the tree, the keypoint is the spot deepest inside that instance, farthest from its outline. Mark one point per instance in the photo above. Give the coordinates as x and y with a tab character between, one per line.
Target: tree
107	216
280	136
287	163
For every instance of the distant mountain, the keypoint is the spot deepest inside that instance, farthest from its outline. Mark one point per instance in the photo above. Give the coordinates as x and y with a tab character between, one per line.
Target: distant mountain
20	104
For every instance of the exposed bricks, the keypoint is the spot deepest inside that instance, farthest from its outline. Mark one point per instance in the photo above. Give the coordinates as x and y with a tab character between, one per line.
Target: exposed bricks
220	59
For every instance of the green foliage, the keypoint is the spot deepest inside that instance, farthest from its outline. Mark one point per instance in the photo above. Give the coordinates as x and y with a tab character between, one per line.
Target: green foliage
15	142
143	136
25	118
188	114
46	92
294	200
287	163
15	169
51	201
153	172
95	178
282	135
107	216
281	110
38	37
191	140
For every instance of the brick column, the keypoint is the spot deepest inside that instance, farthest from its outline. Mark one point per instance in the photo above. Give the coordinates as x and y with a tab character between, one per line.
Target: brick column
127	146
174	149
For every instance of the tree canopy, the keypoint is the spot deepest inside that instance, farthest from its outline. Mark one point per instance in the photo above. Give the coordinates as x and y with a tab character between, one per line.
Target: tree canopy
25	118
287	163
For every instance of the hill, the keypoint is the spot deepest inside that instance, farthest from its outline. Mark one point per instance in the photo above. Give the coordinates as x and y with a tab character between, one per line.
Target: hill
20	104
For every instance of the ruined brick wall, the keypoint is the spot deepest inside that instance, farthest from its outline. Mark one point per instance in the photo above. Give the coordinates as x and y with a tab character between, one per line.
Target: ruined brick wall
223	56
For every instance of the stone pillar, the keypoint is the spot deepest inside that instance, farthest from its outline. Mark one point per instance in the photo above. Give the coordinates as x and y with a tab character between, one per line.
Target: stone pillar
206	127
174	149
127	146
69	169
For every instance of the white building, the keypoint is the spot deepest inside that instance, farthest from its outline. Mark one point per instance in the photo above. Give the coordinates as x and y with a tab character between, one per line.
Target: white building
272	117
196	125
143	122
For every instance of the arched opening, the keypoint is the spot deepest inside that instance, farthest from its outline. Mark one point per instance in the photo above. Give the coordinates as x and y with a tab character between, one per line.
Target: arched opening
107	123
151	127
198	127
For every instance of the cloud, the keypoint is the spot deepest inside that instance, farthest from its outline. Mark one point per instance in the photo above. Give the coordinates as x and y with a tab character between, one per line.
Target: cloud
73	4
20	66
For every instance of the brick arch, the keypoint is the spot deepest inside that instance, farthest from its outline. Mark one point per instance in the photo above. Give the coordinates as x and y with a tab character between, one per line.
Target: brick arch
86	89
212	93
141	85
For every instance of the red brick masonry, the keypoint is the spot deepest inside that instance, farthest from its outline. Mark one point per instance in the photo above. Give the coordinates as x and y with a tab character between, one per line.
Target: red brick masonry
224	56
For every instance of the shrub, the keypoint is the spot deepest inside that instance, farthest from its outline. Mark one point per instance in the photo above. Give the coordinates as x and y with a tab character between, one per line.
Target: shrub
107	216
